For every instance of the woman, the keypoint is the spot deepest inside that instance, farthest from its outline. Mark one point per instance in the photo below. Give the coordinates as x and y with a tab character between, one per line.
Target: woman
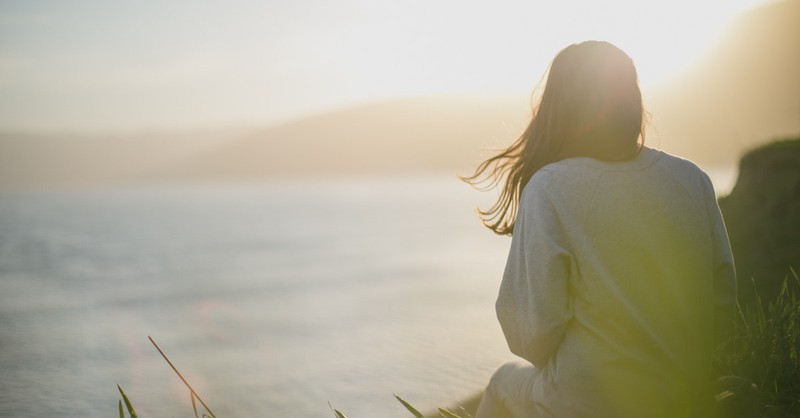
620	272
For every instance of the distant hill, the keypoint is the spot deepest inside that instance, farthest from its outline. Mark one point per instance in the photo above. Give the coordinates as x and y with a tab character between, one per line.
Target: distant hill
744	92
410	135
67	160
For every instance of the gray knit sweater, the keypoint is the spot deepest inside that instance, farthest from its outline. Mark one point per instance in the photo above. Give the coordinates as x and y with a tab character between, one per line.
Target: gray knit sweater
617	276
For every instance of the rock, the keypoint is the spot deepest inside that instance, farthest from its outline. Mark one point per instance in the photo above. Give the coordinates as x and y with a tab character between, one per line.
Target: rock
762	215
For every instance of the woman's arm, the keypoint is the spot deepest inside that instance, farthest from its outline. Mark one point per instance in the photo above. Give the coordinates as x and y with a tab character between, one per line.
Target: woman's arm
533	305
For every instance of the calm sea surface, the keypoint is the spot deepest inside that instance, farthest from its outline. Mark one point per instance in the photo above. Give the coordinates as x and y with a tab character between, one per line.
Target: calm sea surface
273	299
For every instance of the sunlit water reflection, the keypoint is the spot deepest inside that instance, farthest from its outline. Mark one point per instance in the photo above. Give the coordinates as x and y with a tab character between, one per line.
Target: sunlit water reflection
273	299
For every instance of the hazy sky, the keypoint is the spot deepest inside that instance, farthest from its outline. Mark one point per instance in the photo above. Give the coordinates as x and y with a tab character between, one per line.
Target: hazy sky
119	66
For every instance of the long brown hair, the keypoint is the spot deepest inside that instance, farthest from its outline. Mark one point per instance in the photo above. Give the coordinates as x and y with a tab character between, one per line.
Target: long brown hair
591	106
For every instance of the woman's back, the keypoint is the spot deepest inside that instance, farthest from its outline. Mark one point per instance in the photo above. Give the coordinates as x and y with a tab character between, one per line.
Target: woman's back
612	266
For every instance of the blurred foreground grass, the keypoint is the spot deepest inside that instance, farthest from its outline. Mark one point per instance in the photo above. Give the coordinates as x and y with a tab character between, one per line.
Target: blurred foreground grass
758	368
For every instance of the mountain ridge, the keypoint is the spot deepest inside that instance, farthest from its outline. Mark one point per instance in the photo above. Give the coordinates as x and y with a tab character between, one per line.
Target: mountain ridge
744	92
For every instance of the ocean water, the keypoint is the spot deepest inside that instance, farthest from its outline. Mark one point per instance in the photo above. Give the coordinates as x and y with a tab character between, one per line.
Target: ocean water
272	298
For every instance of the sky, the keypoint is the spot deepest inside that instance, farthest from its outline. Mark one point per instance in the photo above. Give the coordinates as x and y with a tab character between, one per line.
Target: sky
100	66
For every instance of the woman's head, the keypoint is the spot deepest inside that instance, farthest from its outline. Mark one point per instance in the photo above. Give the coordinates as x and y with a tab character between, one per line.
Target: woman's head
591	106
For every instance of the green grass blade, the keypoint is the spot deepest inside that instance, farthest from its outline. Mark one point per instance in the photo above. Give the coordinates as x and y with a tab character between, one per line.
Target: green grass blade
127	403
446	413
185	382
409	407
723	395
194	404
121	413
464	412
336	412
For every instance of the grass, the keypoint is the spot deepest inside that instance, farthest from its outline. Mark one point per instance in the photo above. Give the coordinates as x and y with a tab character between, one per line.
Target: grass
759	367
760	364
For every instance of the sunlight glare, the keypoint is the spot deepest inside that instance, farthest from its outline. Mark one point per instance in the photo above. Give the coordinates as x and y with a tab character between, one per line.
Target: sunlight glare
506	47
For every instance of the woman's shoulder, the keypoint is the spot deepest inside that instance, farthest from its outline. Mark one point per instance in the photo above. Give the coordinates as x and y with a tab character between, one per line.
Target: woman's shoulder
579	170
686	171
679	162
582	173
647	158
566	175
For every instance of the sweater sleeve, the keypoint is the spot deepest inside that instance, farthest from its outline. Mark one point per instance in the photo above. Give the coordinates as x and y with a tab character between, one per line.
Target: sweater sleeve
533	305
